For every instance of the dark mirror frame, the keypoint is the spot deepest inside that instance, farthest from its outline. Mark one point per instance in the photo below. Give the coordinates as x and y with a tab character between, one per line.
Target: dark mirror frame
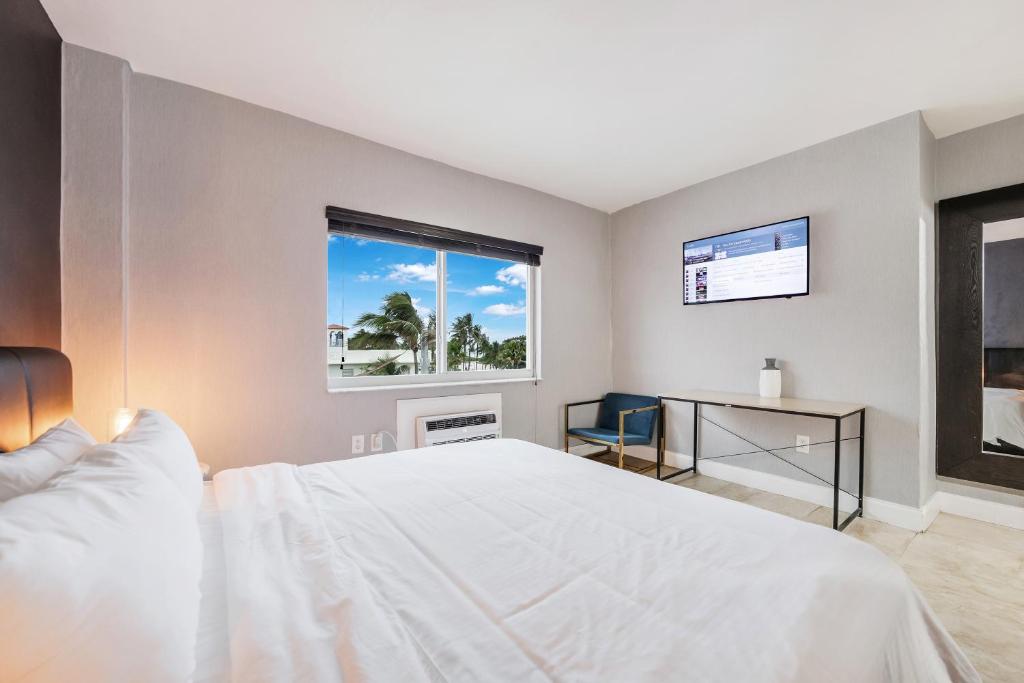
959	341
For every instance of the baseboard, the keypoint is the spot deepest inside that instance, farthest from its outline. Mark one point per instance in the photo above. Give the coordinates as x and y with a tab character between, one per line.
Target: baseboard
896	514
931	510
904	516
976	508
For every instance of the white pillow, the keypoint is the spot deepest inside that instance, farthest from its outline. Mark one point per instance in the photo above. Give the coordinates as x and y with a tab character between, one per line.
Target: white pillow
27	469
99	576
155	439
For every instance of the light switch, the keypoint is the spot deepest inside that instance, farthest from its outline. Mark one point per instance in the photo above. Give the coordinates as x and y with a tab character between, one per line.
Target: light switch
357	444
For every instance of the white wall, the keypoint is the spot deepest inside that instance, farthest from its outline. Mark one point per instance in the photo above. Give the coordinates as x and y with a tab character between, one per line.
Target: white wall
226	270
983	158
855	338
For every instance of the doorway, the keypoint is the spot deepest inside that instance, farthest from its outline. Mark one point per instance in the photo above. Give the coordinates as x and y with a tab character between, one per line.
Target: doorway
980	338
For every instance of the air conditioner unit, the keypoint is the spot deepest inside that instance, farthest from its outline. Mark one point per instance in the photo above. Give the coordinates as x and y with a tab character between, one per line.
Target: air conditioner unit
434	430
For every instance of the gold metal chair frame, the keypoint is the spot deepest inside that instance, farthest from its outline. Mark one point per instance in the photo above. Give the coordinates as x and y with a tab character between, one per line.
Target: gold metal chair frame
608	444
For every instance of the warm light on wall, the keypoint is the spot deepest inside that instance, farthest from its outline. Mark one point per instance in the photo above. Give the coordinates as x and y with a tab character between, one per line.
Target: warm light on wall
120	421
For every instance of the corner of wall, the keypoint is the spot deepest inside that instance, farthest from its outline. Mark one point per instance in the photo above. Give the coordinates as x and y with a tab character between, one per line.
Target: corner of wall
610	298
63	188
94	208
926	311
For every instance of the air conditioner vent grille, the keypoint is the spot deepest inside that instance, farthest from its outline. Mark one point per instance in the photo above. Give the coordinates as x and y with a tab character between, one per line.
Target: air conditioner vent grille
434	430
460	421
468	438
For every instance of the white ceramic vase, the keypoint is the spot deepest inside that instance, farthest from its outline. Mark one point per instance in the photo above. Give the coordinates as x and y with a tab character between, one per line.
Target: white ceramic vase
771	379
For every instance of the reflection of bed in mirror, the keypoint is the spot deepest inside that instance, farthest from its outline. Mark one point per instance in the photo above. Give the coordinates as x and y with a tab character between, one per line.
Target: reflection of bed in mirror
1003	402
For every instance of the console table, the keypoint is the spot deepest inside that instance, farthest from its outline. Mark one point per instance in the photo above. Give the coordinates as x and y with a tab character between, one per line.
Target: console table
826	410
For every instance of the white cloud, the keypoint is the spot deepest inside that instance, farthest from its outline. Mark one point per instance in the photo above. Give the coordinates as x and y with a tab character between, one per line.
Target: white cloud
424	311
366	277
514	275
505	309
358	241
413	272
486	290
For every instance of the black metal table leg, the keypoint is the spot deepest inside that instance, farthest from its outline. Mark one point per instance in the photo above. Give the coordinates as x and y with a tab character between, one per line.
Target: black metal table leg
696	426
836	418
860	484
835	482
660	449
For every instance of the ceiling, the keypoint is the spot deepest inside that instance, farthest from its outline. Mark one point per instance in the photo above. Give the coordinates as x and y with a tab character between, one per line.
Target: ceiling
603	103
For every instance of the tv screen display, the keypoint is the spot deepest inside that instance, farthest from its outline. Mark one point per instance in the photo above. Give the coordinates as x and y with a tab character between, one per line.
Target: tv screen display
757	263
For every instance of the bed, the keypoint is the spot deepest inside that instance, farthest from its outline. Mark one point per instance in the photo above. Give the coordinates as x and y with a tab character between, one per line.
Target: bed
1003	421
509	561
1003	401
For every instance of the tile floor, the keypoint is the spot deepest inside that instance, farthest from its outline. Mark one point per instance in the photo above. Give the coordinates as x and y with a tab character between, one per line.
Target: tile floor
972	573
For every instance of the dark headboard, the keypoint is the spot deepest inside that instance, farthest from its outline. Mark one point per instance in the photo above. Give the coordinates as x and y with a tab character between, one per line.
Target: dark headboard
1004	368
35	393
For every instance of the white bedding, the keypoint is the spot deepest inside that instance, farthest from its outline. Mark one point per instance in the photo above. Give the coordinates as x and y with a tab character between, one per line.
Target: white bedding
1003	415
213	663
507	561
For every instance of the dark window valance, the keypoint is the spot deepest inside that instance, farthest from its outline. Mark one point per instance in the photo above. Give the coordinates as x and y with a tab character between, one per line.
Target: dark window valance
372	226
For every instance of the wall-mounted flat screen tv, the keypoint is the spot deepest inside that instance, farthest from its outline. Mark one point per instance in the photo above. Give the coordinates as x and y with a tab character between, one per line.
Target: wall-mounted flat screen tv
765	262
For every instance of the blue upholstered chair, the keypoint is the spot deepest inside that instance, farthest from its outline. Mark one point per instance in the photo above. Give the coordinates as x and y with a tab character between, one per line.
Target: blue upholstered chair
623	420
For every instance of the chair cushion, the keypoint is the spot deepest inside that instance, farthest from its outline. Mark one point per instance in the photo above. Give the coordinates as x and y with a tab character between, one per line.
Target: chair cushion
610	436
638	423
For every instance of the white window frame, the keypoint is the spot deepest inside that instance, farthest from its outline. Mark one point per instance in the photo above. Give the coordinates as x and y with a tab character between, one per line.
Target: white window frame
444	377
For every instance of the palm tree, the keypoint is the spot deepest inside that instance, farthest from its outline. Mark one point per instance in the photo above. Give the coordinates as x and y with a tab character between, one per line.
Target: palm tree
455	357
462	333
431	339
364	339
397	325
490	353
387	366
513	352
479	342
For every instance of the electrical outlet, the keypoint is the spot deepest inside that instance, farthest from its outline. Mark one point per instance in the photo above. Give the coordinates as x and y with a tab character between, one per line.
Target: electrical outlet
357	444
376	442
803	443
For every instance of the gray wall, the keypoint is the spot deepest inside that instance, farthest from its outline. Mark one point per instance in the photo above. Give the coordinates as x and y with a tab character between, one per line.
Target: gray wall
855	338
926	311
225	264
30	85
1004	294
93	231
982	158
193	222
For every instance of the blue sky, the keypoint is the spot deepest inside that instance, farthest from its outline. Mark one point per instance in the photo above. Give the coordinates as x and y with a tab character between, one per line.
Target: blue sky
360	272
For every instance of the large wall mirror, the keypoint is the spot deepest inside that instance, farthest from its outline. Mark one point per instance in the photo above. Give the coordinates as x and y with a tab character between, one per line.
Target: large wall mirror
980	349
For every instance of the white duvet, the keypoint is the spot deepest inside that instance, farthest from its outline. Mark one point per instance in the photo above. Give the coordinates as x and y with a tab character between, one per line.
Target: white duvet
507	561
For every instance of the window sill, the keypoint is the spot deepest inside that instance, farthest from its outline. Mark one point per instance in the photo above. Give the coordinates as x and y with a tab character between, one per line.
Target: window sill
432	385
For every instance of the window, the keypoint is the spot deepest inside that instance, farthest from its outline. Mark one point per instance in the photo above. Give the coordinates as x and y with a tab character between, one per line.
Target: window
381	308
486	313
411	303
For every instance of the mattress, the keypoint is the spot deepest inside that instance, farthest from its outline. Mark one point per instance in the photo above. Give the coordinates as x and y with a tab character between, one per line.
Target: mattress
504	560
